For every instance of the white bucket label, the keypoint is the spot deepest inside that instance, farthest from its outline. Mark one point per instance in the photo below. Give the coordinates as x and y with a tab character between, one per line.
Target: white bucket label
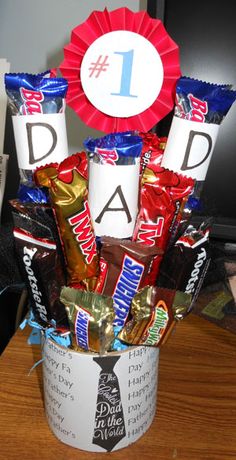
113	198
40	139
189	147
99	403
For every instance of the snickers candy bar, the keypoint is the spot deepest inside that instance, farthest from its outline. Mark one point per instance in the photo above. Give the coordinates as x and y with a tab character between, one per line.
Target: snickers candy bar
128	264
90	317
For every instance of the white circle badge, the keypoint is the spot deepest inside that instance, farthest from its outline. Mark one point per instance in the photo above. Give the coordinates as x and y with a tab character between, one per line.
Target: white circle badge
122	73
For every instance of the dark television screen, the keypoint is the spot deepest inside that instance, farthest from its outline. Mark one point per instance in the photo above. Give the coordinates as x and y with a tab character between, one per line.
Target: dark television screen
206	35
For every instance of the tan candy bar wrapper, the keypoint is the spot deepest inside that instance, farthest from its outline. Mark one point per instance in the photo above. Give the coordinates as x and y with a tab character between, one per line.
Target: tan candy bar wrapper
90	318
154	313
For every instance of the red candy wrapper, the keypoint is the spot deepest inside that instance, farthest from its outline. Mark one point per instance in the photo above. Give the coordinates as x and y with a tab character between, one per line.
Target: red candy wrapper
163	195
152	151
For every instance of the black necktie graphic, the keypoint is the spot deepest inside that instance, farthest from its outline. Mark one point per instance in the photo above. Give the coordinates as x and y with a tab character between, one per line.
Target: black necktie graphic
109	426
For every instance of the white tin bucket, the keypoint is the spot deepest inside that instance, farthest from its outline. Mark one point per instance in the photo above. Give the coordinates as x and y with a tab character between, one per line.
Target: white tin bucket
99	403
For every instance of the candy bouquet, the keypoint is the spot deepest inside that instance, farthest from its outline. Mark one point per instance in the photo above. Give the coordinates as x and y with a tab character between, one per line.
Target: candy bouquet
104	236
100	231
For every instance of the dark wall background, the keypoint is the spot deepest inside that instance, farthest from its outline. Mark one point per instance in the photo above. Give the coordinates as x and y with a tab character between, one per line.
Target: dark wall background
205	32
12	179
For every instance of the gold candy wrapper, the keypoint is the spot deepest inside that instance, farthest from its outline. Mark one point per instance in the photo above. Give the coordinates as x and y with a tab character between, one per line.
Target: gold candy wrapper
154	313
90	318
69	196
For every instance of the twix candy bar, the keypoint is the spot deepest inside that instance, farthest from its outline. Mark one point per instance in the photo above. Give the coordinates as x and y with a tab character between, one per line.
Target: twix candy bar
162	198
67	185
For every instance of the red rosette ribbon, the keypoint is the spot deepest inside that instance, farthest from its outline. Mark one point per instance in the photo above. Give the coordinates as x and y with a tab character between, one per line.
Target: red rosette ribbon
85	34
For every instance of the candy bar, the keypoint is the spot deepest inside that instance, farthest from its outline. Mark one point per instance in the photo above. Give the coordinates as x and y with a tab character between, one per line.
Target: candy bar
90	316
69	196
115	148
31	94
199	111
152	151
114	171
41	270
185	264
37	105
162	197
153	312
128	264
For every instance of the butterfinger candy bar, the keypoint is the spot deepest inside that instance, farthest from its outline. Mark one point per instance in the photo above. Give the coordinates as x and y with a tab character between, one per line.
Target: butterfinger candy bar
153	312
41	270
90	316
128	264
69	196
152	151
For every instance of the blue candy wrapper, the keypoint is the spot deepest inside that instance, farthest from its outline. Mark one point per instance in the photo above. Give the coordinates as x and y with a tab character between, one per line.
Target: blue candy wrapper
115	148
31	94
194	96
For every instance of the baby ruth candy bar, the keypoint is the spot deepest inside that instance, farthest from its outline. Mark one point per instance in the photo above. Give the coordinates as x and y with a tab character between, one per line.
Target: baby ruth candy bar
200	108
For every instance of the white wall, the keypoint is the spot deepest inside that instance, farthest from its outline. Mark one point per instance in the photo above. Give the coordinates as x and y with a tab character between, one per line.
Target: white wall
34	32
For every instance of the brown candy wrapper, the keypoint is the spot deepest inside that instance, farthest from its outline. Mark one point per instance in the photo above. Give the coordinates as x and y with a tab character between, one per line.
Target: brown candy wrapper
90	317
154	312
42	272
185	264
128	264
38	219
69	195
